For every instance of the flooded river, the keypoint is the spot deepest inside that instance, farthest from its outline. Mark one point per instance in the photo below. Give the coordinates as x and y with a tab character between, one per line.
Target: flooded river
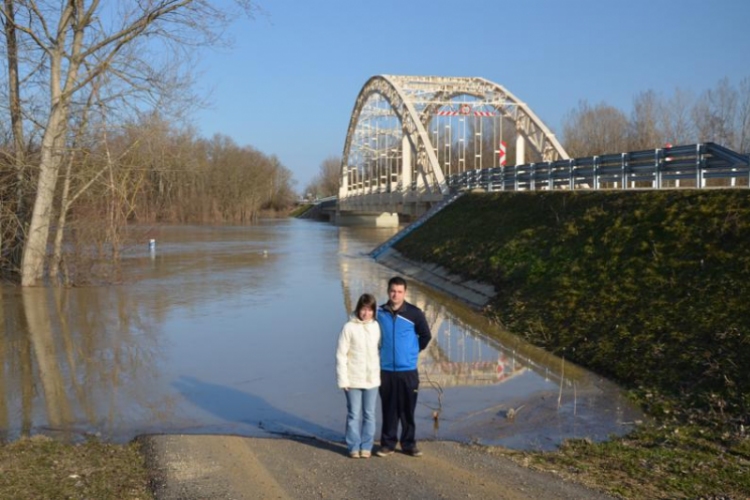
233	330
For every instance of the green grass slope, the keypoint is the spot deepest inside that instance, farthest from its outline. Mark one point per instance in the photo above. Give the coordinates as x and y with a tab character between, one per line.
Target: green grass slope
650	288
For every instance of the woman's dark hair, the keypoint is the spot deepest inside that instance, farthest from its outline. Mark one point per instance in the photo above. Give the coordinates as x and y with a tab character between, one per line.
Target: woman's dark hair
366	300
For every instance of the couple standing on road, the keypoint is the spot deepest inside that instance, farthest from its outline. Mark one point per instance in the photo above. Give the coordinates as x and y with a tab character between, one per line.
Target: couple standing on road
377	351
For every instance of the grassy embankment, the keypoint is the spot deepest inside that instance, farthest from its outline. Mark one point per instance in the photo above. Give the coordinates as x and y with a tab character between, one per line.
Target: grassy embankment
43	468
651	289
301	209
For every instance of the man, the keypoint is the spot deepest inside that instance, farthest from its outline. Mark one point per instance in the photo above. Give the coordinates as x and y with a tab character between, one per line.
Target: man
404	333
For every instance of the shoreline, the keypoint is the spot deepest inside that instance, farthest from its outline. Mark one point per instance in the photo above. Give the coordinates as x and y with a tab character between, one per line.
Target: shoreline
472	292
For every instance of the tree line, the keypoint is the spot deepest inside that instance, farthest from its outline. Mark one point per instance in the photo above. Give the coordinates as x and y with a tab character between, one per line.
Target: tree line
720	114
147	171
326	182
176	176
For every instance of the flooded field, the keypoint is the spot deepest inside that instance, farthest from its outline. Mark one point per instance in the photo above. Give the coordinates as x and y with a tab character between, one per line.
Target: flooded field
233	330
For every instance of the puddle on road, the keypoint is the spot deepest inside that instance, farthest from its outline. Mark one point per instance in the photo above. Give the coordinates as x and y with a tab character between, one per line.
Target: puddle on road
233	330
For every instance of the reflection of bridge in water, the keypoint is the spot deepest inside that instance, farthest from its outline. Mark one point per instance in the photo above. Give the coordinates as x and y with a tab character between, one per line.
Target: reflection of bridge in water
465	368
460	354
446	373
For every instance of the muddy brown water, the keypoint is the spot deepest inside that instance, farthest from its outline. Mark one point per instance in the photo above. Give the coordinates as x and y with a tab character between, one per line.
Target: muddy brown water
232	330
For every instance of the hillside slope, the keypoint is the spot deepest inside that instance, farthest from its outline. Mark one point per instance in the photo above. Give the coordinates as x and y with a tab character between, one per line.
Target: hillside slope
650	288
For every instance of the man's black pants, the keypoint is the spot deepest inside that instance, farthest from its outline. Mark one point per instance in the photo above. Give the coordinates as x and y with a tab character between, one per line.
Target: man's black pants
398	398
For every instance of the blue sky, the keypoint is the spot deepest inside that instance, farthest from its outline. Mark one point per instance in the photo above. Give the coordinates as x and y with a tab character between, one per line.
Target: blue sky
288	85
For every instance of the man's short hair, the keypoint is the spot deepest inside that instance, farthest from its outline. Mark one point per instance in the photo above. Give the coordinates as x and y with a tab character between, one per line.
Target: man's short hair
396	280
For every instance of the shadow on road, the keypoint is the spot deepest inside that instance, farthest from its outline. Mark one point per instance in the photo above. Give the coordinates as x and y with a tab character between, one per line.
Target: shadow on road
236	406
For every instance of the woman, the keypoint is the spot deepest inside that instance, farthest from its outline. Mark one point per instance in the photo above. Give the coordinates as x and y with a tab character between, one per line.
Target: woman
358	374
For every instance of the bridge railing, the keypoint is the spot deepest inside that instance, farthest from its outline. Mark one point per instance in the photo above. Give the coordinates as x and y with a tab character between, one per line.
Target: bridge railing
689	166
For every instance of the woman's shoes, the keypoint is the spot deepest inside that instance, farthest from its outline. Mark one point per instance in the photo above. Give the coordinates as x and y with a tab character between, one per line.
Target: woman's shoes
365	454
354	454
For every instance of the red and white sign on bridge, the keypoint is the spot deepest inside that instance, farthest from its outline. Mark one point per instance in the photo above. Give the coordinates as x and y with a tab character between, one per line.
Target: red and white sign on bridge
501	153
463	110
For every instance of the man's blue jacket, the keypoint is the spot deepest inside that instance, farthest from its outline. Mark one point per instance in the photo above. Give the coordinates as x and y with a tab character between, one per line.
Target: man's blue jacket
403	334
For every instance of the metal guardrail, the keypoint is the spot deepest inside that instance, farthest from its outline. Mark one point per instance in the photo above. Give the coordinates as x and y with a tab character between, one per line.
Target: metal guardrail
688	166
316	201
326	199
318	206
685	167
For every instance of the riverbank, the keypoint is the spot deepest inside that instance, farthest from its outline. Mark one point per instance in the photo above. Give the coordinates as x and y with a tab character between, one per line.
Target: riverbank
648	289
473	292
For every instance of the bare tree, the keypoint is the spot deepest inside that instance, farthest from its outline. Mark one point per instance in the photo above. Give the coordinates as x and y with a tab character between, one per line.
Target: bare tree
71	43
281	194
595	130
715	112
676	120
326	182
19	146
742	135
645	132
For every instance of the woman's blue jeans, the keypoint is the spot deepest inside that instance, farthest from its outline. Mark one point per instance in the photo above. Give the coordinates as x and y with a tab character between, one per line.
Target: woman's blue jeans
360	418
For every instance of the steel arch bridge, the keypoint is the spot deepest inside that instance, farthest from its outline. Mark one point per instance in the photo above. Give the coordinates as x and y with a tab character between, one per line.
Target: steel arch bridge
408	133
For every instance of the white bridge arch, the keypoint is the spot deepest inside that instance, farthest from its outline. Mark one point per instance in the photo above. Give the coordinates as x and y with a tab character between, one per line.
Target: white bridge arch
407	133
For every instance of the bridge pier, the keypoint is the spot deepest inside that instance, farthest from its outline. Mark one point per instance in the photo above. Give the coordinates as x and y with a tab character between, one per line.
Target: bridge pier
402	207
414	210
368	219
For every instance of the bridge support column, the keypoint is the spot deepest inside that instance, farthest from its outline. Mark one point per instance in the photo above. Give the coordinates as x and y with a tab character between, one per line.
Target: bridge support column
366	219
406	164
344	187
420	174
520	148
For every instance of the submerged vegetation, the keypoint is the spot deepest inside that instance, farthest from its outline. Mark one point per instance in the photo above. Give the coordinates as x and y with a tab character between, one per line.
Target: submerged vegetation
651	289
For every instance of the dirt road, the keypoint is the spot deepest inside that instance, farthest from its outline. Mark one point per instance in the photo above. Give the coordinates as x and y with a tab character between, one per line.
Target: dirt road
189	467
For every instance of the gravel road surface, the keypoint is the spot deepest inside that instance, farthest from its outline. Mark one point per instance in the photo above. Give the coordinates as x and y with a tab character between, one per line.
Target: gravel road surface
191	467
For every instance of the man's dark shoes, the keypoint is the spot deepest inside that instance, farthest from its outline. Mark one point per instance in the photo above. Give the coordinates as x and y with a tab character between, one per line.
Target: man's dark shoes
384	452
413	452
